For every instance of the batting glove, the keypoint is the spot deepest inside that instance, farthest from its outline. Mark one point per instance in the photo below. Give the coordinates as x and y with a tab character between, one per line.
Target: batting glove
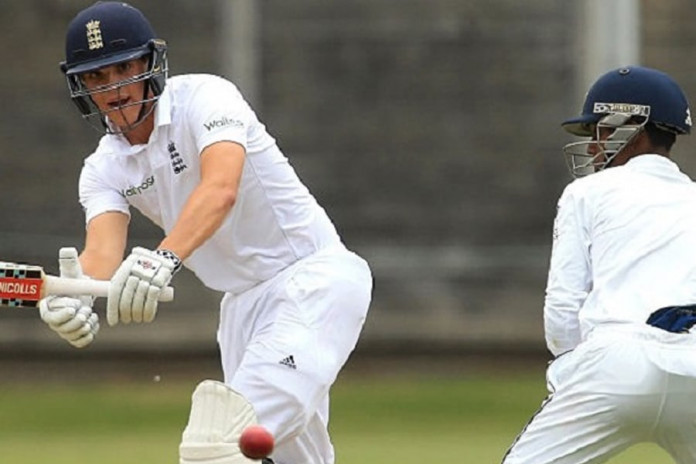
137	284
71	318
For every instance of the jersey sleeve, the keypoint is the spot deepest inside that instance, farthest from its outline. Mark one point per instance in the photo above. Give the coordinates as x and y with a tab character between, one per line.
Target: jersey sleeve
218	112
96	197
569	278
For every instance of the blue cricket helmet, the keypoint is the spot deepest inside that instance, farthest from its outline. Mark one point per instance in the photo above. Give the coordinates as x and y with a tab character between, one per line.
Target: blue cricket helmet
105	34
634	90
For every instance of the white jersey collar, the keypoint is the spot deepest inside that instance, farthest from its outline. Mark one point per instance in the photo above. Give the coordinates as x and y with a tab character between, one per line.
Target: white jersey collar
163	113
652	162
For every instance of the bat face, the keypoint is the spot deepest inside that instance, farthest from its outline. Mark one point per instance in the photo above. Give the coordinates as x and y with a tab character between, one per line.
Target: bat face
20	285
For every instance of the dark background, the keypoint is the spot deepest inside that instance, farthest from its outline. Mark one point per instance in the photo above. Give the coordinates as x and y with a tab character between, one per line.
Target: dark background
429	130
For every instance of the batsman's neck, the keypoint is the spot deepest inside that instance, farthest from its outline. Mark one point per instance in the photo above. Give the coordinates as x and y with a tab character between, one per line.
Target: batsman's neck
141	133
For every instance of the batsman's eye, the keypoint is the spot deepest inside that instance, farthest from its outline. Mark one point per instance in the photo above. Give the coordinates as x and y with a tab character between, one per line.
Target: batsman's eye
124	67
92	78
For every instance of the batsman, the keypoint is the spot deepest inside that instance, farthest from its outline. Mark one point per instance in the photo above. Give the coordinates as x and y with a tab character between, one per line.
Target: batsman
192	156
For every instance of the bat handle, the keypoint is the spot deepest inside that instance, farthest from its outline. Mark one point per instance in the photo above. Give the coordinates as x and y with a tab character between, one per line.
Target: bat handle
99	288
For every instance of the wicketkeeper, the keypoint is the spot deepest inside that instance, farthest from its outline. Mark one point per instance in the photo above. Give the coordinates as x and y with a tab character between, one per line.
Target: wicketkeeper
621	294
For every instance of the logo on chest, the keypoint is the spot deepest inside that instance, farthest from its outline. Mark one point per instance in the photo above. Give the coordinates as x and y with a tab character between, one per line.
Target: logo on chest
138	189
178	164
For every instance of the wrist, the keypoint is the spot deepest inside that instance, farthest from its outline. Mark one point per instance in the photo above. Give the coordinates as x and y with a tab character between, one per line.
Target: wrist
171	257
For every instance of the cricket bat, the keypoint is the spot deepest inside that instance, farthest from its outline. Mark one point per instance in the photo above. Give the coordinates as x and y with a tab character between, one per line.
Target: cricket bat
23	285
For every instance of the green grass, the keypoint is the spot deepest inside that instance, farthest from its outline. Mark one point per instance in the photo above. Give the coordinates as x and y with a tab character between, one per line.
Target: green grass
375	420
96	423
471	420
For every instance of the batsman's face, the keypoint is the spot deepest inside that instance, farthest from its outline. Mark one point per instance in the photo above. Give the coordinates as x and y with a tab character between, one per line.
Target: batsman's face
117	91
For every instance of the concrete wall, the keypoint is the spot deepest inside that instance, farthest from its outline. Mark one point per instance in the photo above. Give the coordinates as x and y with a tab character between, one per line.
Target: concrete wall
429	130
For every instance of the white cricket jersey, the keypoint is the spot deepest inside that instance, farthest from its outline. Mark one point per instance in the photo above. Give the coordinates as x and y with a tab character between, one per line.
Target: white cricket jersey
624	246
275	220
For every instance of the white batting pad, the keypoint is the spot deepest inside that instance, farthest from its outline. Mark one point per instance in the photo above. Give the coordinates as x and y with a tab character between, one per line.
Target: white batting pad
218	417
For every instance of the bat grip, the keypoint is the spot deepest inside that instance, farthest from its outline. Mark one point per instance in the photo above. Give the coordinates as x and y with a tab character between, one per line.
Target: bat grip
99	288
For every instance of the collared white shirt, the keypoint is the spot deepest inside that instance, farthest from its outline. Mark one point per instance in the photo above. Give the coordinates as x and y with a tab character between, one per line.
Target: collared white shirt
624	246
275	221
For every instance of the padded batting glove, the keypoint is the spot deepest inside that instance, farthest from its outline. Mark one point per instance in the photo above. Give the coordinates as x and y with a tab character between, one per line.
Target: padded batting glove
73	319
137	284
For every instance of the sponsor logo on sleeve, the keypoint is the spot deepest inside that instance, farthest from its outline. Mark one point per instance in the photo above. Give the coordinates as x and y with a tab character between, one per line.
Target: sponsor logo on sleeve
224	121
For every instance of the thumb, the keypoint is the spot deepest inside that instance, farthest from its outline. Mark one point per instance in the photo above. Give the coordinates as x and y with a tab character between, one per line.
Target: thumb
68	263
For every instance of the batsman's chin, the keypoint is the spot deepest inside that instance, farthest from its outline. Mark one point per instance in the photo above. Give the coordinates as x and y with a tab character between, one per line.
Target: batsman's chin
122	122
123	114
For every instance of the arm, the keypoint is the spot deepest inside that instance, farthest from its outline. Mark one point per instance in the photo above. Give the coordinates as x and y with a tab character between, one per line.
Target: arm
569	279
105	244
138	281
211	201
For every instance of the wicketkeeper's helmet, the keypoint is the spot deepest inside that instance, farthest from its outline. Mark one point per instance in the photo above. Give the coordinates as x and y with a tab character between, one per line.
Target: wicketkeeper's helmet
625	100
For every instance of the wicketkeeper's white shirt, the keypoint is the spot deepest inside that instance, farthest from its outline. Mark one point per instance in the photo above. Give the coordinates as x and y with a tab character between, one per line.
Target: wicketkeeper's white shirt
275	221
624	246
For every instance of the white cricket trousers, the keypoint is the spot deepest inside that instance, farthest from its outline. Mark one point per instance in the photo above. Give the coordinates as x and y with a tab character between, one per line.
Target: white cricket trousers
284	341
625	385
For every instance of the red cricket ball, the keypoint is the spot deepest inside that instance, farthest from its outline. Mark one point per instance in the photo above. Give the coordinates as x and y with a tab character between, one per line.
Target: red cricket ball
256	442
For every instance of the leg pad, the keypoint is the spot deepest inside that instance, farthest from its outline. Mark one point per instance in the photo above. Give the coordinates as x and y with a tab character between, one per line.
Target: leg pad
218	417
